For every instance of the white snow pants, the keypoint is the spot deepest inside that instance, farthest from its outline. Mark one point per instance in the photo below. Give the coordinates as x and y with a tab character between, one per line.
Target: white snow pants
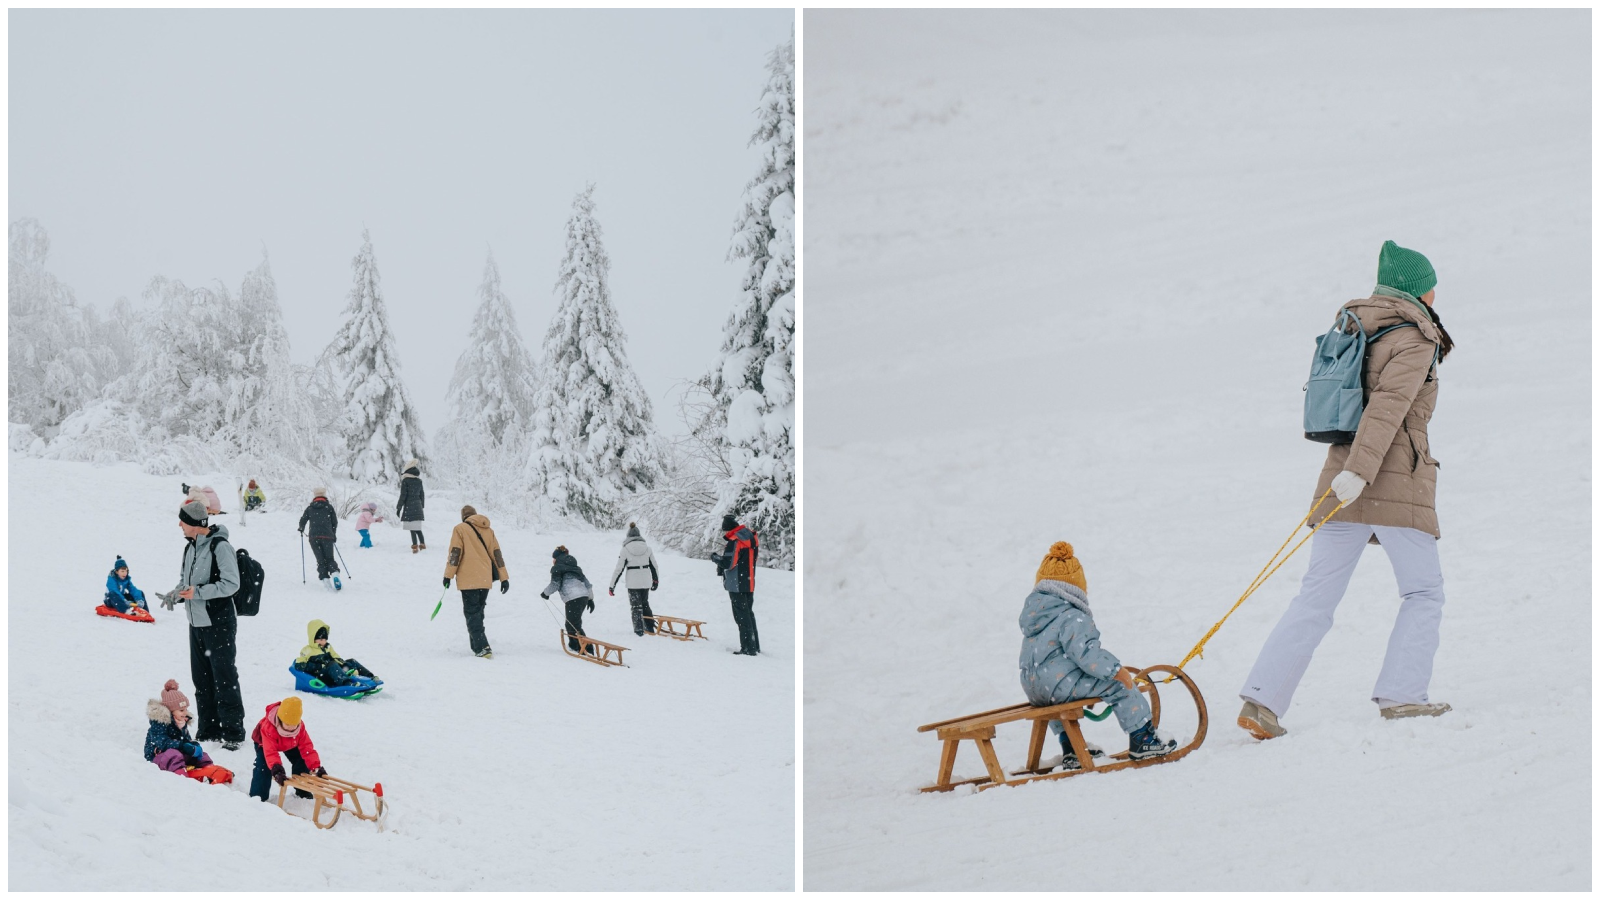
1335	550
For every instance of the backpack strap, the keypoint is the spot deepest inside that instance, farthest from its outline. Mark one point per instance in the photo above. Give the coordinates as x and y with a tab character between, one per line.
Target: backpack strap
494	570
1383	331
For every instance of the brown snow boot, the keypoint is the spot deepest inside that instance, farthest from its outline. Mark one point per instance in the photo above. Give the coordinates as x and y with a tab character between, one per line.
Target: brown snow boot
413	548
1261	722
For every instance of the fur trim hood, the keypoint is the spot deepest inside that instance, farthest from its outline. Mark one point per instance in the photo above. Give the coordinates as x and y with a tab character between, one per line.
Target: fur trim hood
157	712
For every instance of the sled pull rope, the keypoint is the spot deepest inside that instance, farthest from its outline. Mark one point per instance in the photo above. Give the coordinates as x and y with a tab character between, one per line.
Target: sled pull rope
1264	574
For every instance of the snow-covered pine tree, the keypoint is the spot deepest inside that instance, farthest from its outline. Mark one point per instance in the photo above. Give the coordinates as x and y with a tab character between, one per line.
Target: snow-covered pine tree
755	387
59	358
593	444
490	396
267	413
379	427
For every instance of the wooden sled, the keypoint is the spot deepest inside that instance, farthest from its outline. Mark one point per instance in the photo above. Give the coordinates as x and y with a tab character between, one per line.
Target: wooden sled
591	650
666	626
331	792
979	728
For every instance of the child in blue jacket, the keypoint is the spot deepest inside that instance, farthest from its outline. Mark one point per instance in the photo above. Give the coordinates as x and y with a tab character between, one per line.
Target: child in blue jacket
121	595
1062	659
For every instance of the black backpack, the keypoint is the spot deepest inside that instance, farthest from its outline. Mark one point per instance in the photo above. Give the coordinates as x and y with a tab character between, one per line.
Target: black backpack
247	600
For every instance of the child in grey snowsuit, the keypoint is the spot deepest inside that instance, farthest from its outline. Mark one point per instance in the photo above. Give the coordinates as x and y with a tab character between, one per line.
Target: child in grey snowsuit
568	580
1062	659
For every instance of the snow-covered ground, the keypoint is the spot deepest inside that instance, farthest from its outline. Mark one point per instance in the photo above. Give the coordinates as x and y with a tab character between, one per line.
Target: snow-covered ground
1063	272
528	771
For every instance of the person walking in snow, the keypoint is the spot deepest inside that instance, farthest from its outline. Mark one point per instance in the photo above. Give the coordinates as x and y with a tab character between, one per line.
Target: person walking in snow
568	580
207	580
1062	659
1386	480
369	514
121	595
475	562
640	565
736	564
324	522
409	508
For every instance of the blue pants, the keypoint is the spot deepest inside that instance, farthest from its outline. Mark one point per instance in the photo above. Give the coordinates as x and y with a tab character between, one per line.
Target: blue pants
121	604
1133	711
366	539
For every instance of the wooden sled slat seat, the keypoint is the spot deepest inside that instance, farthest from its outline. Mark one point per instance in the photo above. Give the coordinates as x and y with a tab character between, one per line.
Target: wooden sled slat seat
328	792
598	652
980	729
667	626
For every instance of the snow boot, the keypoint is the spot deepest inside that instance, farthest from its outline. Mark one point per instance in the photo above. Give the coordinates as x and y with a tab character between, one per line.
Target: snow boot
1407	710
230	746
1145	743
336	584
1069	760
422	546
1261	722
413	548
486	653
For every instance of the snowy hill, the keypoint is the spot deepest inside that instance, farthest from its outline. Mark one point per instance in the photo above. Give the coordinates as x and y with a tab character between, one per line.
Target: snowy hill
1063	272
528	771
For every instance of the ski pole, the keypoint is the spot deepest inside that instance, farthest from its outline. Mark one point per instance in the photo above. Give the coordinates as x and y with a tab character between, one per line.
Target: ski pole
302	557
440	605
343	563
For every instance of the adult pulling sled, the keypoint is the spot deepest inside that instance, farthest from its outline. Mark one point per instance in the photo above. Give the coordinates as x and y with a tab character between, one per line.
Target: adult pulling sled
980	728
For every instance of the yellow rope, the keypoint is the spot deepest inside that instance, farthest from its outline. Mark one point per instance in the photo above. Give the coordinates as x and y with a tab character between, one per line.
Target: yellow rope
1264	574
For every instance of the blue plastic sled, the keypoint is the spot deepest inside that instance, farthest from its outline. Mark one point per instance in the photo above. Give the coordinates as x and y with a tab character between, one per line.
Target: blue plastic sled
355	689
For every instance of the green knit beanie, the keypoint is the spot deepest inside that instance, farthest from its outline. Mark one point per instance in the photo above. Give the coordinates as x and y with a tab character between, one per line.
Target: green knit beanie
1405	270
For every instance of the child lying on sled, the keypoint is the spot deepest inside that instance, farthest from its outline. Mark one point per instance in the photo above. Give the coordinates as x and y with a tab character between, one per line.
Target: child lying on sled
167	742
319	660
1062	659
121	595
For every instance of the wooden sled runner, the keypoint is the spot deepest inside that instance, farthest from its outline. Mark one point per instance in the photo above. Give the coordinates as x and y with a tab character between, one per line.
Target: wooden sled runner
667	626
331	793
591	650
979	728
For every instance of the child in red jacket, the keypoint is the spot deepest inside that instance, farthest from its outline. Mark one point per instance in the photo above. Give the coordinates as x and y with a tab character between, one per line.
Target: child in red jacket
279	734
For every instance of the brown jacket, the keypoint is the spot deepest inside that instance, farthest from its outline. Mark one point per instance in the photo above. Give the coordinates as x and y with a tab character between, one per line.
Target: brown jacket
1391	447
468	563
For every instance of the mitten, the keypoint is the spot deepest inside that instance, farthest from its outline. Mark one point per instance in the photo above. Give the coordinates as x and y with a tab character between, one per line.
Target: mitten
612	591
544	595
321	772
654	585
277	774
591	604
1347	486
447	582
505	586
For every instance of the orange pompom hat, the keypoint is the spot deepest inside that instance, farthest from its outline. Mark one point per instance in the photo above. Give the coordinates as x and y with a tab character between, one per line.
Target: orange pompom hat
1060	565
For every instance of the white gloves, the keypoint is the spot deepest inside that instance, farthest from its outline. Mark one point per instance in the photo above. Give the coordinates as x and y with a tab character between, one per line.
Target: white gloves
1347	486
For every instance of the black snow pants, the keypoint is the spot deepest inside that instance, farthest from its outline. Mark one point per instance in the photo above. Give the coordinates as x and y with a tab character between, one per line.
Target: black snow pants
322	549
639	599
472	605
745	616
219	708
330	673
261	778
575	610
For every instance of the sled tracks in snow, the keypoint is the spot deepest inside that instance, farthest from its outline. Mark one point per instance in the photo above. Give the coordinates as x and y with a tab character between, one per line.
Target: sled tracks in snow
979	729
330	793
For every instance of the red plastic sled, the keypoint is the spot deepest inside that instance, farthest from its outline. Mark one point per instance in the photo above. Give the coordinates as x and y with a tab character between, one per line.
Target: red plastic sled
138	615
212	774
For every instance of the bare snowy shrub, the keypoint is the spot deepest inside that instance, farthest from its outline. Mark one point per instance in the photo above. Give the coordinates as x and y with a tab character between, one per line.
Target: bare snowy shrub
680	510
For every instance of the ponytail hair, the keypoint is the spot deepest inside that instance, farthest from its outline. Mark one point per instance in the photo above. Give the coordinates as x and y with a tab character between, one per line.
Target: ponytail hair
1445	343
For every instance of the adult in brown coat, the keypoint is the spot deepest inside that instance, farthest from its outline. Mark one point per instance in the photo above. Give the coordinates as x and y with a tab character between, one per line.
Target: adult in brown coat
475	562
1385	478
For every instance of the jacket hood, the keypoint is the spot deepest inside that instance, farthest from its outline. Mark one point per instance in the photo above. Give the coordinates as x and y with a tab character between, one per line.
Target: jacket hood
311	649
1046	604
156	711
412	472
739	533
1379	311
313	626
477	520
218	531
271	721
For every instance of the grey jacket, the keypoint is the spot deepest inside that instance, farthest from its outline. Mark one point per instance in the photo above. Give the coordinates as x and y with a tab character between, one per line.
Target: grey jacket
1062	658
196	571
571	587
640	564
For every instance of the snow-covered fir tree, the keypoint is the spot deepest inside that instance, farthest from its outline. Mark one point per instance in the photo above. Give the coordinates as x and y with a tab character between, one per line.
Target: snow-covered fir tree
379	426
754	387
593	444
60	355
490	397
267	412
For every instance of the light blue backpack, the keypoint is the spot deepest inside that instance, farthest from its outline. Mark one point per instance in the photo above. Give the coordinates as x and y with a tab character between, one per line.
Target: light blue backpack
1334	395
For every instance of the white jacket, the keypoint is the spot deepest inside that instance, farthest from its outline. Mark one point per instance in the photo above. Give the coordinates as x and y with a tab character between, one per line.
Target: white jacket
640	564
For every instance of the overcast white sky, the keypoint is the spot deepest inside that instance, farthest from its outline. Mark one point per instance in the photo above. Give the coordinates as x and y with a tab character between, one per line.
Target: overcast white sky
182	142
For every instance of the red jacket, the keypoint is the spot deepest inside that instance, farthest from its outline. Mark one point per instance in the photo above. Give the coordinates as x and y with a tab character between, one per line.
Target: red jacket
272	743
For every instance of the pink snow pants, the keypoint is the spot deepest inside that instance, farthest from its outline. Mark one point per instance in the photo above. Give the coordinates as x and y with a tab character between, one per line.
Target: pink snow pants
1335	550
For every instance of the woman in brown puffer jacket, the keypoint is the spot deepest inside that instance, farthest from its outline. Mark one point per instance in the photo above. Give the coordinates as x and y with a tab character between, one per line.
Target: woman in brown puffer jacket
474	561
1385	478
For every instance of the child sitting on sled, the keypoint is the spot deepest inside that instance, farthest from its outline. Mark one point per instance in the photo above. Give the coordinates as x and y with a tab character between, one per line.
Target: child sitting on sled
319	660
253	497
167	742
281	735
369	514
121	595
1062	659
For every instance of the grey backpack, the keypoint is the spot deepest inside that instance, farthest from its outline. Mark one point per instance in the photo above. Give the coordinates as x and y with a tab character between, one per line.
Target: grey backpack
1335	395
